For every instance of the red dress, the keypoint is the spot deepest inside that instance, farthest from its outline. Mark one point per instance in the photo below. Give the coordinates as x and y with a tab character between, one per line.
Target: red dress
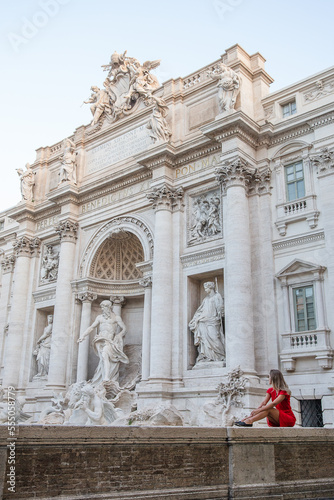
286	416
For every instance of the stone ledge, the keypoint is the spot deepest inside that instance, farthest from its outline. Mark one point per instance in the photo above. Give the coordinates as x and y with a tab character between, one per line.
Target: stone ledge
196	463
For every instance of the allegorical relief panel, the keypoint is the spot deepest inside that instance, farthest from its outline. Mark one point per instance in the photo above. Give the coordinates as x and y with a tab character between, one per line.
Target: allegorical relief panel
204	217
50	262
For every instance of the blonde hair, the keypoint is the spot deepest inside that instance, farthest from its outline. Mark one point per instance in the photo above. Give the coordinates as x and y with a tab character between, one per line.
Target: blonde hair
278	382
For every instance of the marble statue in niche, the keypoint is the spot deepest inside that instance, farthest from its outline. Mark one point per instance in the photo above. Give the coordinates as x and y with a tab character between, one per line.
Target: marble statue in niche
68	169
42	351
50	263
27	182
205	218
228	86
108	345
207	326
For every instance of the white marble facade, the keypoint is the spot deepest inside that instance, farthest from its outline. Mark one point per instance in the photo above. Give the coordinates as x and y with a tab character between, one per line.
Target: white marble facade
199	213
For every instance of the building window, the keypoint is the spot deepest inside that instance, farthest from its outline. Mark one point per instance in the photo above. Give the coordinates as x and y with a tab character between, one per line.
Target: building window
304	308
311	413
289	109
295	186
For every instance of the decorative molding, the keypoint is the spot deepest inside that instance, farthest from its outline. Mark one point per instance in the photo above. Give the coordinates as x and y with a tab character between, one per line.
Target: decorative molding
67	230
166	198
26	246
299	240
45	294
118	300
203	257
8	264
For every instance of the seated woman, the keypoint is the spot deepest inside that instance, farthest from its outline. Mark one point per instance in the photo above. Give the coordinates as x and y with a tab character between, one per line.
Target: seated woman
277	411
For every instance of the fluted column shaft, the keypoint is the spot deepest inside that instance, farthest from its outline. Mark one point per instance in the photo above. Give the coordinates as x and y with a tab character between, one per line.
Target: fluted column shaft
25	248
82	367
235	178
62	314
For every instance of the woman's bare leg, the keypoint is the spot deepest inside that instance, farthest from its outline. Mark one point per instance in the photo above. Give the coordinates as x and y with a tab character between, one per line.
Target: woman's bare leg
272	414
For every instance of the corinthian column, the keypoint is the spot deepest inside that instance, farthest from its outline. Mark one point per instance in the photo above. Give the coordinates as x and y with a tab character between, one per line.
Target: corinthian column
61	332
235	177
163	200
82	368
24	248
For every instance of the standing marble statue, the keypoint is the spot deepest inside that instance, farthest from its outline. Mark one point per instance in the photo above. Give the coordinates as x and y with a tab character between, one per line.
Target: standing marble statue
108	344
27	182
228	86
207	326
42	351
68	170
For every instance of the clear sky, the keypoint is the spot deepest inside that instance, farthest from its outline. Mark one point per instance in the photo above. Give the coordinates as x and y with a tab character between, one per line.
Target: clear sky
52	52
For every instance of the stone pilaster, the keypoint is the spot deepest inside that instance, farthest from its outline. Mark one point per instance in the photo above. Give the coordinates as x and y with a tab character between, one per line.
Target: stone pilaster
25	248
164	200
235	177
7	265
67	231
146	282
82	368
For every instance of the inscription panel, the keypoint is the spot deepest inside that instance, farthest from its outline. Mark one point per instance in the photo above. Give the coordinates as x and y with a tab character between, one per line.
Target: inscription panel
129	144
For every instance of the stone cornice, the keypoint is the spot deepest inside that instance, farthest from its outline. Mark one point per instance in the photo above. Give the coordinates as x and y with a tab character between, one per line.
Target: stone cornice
109	288
235	124
165	197
163	154
67	194
203	256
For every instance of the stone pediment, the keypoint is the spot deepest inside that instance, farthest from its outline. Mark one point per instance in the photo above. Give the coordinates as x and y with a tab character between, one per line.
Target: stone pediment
298	267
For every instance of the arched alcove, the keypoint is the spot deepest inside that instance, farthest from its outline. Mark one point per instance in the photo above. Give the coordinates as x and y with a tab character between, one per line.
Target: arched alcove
116	258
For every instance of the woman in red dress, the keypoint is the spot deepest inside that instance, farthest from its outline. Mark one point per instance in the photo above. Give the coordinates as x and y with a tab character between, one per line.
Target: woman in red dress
277	411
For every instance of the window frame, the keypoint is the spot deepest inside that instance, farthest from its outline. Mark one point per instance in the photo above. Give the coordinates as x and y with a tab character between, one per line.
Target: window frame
295	181
291	110
304	286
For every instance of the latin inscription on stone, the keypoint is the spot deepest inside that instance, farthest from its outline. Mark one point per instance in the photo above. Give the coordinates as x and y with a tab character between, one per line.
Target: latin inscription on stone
131	143
196	166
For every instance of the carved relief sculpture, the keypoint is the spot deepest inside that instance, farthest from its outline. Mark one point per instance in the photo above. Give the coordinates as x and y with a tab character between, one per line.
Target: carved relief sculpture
228	86
127	83
205	218
27	182
42	351
68	169
207	325
50	263
108	345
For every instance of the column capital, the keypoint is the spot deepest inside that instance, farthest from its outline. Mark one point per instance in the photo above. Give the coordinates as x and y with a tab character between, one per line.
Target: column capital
67	230
8	264
117	300
166	198
86	296
234	172
146	282
26	246
239	172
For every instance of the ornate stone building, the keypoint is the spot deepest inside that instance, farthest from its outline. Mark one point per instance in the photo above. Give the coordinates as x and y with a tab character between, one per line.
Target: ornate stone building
205	180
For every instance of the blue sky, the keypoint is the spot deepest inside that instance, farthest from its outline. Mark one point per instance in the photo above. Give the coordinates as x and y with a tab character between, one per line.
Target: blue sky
52	52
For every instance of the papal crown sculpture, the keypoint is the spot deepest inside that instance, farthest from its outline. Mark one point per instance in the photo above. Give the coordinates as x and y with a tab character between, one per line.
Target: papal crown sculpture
128	82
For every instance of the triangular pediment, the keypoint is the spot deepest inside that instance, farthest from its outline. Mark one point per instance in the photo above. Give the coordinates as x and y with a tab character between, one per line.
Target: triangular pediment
298	266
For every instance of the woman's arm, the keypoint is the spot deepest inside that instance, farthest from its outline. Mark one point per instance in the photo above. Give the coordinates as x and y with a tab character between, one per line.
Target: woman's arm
270	405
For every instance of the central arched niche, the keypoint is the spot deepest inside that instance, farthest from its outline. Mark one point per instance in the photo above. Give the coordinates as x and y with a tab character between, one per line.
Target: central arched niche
117	256
115	261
